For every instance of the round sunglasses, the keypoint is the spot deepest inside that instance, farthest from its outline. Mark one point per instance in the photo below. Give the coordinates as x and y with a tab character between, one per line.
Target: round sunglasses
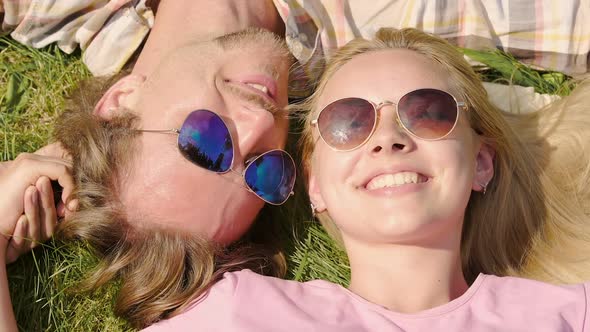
427	114
205	140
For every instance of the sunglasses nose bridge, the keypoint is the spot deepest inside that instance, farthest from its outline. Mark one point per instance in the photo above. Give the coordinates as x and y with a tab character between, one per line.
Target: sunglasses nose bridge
384	133
378	109
381	105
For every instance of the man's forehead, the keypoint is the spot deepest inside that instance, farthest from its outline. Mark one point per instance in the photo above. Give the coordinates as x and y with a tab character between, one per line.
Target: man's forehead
188	59
198	56
193	50
249	39
251	36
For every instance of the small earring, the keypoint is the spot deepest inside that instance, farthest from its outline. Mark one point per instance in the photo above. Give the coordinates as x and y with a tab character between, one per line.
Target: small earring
484	188
313	211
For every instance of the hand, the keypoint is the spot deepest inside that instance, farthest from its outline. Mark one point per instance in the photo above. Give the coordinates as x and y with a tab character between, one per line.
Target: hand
38	222
27	176
56	150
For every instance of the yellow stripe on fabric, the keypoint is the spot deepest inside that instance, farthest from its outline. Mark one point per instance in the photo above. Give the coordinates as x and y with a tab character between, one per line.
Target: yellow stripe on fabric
530	35
410	9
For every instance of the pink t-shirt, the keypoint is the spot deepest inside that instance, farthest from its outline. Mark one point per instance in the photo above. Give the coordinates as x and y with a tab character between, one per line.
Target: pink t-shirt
246	301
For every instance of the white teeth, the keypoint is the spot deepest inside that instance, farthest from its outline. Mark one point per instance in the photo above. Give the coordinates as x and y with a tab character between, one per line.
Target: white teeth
259	87
395	180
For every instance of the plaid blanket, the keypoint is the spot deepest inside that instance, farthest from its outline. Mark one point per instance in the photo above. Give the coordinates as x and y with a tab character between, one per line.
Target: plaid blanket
108	32
544	33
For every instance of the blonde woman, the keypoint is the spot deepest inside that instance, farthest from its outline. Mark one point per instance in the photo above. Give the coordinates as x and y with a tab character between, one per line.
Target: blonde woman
439	200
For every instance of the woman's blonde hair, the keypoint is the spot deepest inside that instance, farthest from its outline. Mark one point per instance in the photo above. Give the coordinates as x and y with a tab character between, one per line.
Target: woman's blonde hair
160	272
533	220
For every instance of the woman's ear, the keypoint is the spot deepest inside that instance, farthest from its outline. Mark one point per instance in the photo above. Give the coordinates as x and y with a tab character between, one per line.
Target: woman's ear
122	95
484	167
315	195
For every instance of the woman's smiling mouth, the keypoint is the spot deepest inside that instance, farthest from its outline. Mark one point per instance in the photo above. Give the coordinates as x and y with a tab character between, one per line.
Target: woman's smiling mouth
395	180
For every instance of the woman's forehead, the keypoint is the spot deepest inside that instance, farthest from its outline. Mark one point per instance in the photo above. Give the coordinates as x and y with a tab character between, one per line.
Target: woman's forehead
384	75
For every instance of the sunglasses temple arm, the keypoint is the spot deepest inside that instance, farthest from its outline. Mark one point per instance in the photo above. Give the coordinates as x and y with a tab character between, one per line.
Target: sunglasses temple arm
161	131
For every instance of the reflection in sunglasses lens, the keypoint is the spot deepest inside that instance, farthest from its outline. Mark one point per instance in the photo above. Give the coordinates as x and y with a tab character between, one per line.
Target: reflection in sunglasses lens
428	113
271	176
205	140
346	123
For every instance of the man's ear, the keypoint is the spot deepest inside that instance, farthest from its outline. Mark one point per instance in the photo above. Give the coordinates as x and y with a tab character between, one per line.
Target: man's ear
121	95
484	169
315	195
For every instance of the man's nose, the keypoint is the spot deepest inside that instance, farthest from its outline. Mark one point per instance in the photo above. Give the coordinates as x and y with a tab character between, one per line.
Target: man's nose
252	128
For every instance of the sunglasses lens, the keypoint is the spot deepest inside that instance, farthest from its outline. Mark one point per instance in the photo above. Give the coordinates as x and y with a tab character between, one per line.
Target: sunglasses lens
428	113
205	140
346	123
271	176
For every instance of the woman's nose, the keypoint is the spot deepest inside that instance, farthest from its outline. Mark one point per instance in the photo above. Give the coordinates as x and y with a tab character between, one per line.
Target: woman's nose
389	135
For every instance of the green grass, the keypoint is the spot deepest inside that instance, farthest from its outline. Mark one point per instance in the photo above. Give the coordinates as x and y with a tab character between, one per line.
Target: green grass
33	84
315	256
42	286
503	68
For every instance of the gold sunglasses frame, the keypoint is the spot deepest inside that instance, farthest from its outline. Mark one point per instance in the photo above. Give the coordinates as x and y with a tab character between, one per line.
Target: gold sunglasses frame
377	106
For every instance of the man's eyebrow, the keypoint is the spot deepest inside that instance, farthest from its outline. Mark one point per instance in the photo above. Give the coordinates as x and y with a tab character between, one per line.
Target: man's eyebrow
255	99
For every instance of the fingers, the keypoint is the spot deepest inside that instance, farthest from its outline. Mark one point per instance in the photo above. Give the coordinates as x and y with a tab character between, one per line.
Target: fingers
37	224
16	245
15	179
47	210
67	212
54	150
33	166
32	212
61	209
23	157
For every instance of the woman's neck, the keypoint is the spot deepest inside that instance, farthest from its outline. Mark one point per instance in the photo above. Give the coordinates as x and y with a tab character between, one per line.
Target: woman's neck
406	278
